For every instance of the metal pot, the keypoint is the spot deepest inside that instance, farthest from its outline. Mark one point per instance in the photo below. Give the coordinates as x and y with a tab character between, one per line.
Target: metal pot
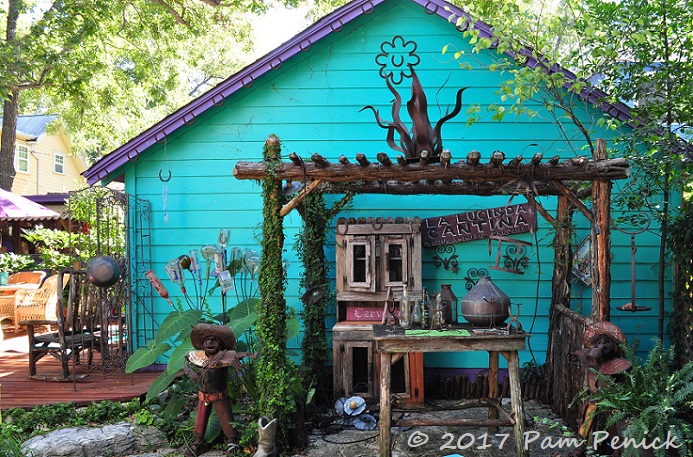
485	305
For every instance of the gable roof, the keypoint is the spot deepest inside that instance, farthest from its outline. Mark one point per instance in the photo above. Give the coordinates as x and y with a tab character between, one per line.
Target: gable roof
33	125
332	23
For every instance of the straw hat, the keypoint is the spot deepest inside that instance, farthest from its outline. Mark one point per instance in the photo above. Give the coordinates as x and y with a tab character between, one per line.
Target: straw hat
596	330
203	331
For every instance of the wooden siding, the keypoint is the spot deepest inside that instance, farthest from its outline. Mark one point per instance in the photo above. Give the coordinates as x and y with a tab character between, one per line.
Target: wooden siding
313	102
41	178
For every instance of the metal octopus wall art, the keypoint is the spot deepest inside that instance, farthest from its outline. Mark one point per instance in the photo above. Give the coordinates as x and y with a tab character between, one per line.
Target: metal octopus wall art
397	61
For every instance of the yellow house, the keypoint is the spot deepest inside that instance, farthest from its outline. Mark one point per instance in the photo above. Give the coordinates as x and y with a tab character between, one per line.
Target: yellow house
42	160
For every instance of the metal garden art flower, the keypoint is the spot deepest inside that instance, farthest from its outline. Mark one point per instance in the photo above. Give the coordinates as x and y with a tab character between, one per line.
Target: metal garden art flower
397	62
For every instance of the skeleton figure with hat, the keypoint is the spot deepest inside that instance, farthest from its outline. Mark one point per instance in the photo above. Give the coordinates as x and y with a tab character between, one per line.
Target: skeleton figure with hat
209	366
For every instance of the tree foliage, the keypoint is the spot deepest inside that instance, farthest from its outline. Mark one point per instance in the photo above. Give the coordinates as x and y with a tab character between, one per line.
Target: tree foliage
637	53
109	69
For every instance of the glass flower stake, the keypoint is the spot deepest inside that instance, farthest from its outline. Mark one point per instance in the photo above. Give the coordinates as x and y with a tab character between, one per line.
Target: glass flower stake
195	267
208	254
219	261
175	272
236	260
223	239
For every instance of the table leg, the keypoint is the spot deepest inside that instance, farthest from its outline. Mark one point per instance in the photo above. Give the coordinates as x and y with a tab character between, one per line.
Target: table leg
385	412
516	399
493	383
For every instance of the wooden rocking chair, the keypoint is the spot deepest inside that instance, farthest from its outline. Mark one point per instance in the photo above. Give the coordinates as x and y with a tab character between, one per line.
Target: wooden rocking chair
77	323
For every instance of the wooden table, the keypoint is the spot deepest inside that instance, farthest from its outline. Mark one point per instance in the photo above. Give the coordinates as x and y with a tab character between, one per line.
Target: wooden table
390	342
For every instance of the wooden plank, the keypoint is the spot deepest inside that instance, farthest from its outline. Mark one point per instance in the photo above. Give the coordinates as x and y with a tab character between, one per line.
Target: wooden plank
495	423
385	411
20	391
493	382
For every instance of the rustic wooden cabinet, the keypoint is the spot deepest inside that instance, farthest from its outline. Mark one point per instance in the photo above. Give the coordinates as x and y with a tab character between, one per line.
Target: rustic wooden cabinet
375	260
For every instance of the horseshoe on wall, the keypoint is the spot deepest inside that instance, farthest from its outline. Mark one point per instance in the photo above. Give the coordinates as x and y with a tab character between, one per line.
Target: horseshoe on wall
167	179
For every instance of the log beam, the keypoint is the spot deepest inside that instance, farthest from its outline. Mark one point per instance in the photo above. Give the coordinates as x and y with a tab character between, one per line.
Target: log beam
436	188
603	170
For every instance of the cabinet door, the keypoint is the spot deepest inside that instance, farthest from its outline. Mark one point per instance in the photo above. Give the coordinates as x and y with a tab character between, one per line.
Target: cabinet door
357	369
359	264
394	260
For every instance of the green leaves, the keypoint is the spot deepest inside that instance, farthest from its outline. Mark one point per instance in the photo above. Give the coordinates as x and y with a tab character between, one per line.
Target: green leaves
243	316
177	325
145	356
176	322
160	384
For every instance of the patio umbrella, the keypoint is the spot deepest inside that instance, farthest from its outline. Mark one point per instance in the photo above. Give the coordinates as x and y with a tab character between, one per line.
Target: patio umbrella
14	207
16	210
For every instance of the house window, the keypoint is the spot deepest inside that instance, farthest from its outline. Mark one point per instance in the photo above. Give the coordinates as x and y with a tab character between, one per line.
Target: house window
59	163
22	159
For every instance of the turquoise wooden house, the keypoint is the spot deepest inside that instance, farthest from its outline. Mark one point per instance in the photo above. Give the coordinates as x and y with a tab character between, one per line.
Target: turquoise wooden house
311	92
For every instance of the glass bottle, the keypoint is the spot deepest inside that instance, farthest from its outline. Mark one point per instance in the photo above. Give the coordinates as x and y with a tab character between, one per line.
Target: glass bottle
425	309
416	314
404	307
438	319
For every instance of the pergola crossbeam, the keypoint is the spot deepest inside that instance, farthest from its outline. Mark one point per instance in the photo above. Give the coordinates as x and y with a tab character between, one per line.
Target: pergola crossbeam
384	170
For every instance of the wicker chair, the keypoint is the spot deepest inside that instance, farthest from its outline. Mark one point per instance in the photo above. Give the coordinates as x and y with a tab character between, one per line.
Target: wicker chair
7	308
27	277
37	304
7	302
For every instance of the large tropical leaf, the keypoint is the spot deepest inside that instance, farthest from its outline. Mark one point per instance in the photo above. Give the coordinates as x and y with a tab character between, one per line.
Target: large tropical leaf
177	359
159	384
243	316
292	328
176	322
145	356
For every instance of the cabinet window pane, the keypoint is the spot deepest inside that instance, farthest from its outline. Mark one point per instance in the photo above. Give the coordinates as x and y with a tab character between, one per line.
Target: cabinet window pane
394	262
359	263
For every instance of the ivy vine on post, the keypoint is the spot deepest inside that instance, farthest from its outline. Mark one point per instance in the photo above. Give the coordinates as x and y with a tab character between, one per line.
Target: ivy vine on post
275	372
310	248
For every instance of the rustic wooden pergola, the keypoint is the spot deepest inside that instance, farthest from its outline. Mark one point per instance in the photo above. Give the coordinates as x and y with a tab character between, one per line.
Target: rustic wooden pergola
531	178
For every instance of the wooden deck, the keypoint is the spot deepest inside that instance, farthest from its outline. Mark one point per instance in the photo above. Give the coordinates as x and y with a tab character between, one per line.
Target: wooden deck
17	390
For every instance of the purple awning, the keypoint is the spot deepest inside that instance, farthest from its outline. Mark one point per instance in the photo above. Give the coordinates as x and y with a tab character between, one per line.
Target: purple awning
14	207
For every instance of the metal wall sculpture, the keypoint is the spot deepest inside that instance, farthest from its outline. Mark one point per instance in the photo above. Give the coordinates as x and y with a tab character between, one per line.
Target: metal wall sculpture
446	256
473	276
397	62
510	254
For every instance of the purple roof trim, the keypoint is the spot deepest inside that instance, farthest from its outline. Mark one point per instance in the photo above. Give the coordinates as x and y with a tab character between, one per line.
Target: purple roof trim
47	199
333	22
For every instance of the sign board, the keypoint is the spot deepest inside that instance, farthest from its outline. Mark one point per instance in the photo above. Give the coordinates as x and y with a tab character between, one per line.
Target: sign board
478	225
366	313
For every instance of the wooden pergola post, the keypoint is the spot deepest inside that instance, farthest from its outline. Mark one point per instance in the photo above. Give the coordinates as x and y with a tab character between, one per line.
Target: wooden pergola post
601	242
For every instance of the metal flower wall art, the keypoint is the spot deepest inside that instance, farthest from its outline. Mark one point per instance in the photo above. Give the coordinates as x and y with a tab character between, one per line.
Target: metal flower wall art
397	62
